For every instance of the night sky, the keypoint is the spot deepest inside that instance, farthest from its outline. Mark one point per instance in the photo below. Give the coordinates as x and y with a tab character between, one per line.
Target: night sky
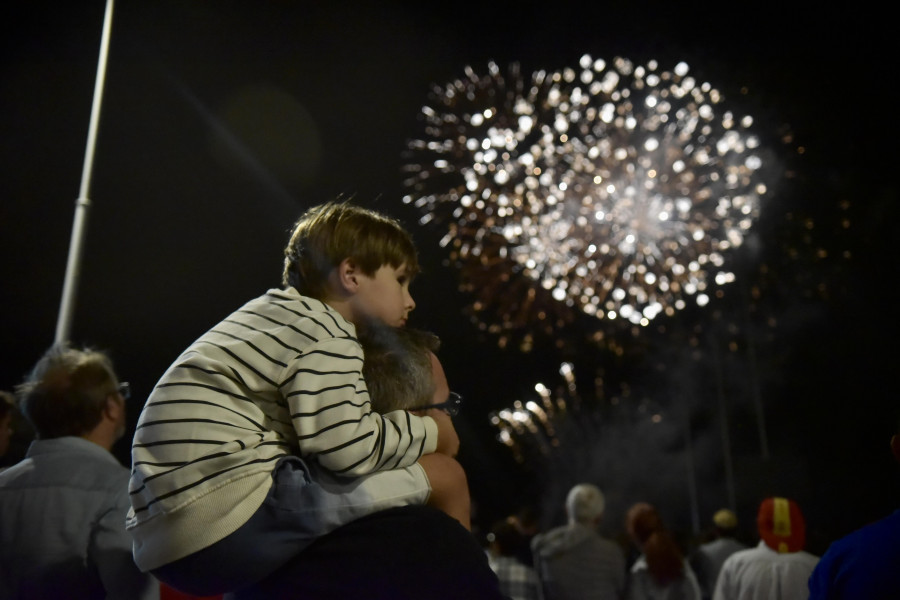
223	121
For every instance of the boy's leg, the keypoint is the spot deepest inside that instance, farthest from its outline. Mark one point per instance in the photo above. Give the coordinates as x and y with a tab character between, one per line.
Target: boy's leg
449	487
302	505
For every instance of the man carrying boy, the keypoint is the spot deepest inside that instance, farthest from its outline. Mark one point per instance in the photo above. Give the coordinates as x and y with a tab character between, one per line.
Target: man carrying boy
402	553
228	446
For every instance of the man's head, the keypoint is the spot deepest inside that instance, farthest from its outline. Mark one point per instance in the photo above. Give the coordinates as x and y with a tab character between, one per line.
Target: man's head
341	251
725	523
585	504
399	367
72	392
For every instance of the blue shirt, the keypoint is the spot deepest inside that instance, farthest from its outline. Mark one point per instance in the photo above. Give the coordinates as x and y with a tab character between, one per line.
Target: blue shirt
62	525
864	564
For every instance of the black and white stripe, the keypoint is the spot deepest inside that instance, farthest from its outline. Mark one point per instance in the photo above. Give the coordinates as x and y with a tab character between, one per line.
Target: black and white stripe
282	374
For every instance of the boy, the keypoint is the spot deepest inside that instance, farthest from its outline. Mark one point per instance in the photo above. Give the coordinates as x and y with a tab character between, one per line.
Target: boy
228	445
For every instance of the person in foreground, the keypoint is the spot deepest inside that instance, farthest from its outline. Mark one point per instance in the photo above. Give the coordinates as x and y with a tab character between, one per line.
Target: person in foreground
236	436
778	567
62	508
573	560
403	553
661	572
865	563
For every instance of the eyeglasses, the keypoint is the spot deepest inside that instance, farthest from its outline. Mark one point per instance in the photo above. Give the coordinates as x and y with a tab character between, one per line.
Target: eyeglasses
124	390
451	406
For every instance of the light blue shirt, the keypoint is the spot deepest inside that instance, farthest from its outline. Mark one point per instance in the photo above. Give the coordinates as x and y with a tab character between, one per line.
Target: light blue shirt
62	526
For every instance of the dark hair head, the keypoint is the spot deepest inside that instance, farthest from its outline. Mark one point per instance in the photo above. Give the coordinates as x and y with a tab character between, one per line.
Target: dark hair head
66	392
328	234
506	538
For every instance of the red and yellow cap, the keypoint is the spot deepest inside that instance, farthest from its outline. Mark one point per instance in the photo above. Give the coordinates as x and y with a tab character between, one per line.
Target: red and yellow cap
781	525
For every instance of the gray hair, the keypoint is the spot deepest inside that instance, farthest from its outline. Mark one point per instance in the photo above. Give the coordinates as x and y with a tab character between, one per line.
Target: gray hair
585	504
397	366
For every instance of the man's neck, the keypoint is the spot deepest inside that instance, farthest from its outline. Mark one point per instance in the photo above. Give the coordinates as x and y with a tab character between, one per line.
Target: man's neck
100	437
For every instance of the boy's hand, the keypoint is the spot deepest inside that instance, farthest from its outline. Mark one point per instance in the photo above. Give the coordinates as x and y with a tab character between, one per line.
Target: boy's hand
448	440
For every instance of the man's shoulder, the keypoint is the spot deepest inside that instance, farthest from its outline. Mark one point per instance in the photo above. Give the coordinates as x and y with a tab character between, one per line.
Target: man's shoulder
879	536
720	547
69	463
568	537
745	555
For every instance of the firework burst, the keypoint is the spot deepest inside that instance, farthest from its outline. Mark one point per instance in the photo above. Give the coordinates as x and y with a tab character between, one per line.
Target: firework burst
615	189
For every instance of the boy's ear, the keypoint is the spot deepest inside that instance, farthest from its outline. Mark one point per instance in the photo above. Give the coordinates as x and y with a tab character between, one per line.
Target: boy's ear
348	275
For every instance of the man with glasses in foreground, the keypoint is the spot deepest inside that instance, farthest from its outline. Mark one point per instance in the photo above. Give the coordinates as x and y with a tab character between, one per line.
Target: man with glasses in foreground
62	508
401	553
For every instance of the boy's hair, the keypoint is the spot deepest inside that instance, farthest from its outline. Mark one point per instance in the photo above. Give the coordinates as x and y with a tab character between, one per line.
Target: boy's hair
66	392
329	233
397	366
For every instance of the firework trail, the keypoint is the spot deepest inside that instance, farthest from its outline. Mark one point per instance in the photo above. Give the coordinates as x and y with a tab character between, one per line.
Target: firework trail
616	189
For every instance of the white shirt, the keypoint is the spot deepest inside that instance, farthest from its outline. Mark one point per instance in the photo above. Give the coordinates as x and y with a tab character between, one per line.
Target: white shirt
762	574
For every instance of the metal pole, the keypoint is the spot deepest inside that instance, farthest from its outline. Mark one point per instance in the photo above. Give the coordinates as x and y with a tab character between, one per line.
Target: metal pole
73	265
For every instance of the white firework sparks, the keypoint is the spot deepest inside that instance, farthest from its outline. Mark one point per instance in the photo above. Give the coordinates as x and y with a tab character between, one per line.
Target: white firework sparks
616	189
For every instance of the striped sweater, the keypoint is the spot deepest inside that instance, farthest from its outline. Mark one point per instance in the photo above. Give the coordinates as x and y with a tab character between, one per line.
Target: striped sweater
281	375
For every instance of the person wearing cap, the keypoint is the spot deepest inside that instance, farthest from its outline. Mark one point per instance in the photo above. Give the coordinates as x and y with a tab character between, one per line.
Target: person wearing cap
573	560
708	558
778	567
865	563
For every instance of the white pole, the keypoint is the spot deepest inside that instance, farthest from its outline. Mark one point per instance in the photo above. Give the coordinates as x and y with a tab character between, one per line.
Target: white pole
73	265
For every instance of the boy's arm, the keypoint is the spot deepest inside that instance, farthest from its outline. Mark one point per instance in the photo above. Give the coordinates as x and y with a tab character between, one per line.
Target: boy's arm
334	421
447	438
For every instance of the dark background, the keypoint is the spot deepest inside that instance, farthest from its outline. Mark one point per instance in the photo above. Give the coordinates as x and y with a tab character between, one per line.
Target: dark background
222	121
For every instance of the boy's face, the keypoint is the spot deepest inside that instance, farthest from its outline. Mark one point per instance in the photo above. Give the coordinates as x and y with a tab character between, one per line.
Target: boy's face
385	295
